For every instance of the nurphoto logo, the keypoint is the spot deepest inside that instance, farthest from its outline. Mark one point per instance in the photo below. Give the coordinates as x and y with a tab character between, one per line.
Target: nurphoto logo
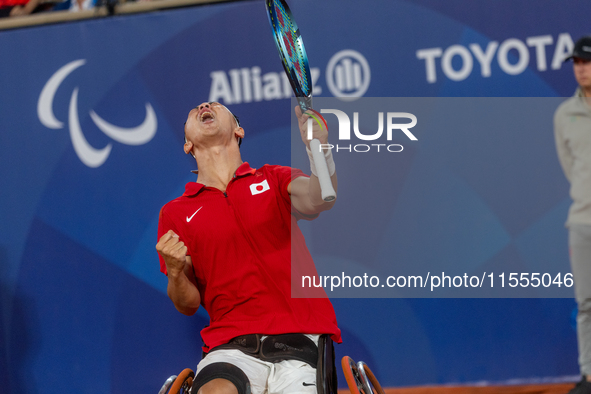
393	124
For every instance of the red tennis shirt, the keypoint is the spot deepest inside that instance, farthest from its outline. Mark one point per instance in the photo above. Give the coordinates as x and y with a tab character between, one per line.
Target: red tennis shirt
242	243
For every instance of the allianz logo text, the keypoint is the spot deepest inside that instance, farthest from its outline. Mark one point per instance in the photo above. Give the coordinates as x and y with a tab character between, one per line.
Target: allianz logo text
246	85
347	75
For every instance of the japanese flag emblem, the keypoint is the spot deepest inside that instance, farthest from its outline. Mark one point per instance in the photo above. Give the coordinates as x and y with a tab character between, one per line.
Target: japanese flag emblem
258	188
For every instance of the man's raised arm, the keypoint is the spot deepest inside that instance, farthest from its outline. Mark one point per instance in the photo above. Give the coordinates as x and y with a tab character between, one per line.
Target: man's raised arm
306	195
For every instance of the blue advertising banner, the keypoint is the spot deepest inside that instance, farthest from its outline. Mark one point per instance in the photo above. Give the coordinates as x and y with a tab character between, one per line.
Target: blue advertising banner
91	137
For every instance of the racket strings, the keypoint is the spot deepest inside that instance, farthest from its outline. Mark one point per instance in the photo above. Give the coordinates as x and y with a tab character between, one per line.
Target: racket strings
292	44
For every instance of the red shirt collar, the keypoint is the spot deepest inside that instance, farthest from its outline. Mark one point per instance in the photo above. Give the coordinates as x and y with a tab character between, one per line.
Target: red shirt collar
244	169
192	188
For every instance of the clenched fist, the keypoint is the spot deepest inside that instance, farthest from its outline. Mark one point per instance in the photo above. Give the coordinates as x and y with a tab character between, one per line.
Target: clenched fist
174	252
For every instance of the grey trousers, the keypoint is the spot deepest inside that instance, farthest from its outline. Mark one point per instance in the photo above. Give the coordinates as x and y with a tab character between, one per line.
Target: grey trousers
580	259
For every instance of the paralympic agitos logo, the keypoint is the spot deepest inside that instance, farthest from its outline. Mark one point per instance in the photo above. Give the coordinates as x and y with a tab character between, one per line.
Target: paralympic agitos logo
90	156
393	124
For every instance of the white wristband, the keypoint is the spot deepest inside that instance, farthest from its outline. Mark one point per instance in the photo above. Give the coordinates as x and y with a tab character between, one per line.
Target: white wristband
329	162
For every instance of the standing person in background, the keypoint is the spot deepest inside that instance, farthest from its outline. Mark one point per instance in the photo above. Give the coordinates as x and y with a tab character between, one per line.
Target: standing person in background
572	130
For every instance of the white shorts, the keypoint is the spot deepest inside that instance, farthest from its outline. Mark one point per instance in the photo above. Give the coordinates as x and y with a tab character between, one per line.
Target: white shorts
290	376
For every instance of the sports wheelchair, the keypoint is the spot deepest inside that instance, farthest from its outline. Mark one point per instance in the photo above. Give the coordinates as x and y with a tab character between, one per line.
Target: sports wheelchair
359	377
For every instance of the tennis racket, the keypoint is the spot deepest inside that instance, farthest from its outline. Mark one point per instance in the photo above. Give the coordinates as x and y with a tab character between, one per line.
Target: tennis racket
295	63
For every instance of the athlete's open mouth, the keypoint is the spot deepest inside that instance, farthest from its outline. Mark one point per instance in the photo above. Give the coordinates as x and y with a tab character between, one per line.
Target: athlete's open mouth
206	116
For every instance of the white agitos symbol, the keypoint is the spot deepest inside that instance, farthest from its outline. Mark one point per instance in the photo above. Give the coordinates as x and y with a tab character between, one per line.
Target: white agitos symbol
88	155
258	188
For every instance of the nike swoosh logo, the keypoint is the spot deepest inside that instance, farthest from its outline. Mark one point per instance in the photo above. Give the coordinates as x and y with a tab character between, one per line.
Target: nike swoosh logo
308	384
189	218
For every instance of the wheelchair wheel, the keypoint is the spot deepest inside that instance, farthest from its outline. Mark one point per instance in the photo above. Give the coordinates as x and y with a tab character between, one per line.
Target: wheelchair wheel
352	375
182	384
368	379
360	378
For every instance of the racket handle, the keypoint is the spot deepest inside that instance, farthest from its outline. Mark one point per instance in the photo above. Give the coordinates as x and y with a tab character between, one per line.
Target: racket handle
328	192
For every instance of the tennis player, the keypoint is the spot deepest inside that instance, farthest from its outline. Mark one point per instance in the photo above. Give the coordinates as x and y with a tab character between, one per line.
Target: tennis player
228	244
572	129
